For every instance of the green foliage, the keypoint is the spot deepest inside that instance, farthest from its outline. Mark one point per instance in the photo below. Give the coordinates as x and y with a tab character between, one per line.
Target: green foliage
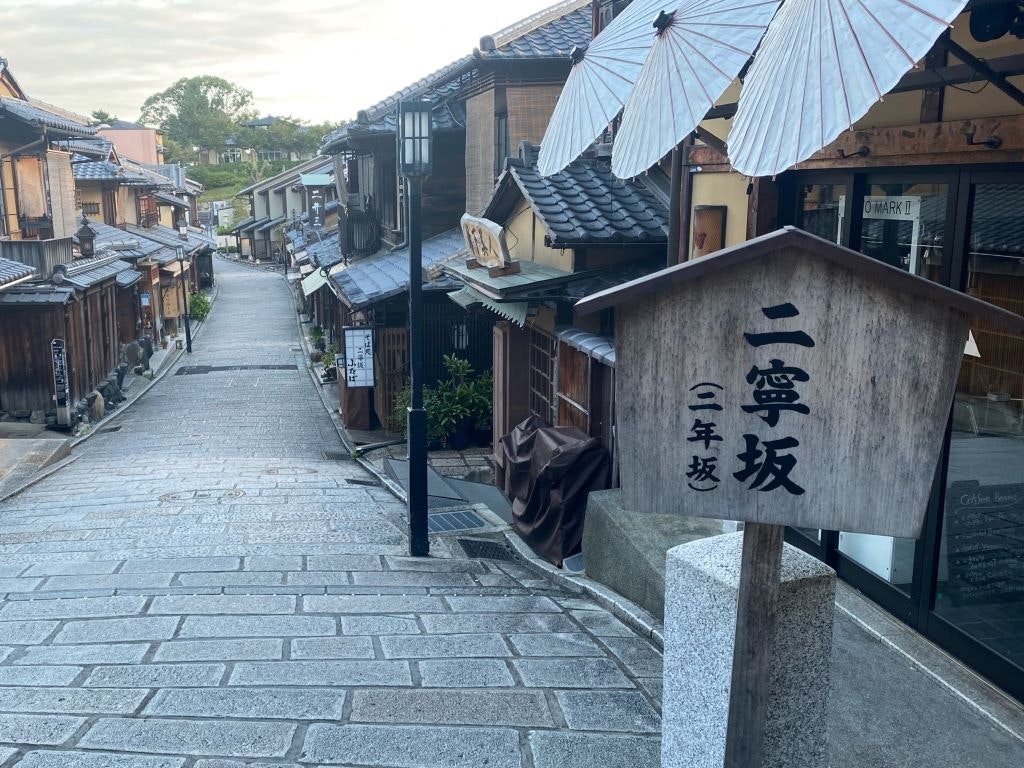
198	111
451	403
330	356
316	333
102	117
198	306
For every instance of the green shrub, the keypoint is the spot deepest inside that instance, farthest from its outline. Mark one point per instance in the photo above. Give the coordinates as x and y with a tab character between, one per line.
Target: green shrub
198	306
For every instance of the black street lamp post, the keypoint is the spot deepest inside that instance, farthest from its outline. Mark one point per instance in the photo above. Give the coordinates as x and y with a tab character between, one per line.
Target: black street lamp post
184	298
414	148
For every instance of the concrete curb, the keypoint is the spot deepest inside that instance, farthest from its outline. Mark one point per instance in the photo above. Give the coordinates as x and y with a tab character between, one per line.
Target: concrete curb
42	474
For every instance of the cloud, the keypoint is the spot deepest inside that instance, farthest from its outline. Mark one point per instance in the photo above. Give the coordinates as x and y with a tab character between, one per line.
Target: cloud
315	59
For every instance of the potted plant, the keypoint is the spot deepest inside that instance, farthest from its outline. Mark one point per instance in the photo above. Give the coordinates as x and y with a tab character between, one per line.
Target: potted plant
483	409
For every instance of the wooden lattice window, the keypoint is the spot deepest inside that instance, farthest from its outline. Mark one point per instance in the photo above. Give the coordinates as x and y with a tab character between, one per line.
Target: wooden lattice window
148	215
90	209
542	375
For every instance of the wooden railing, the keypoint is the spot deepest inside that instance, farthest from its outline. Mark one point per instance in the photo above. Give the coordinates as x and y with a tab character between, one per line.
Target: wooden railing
44	255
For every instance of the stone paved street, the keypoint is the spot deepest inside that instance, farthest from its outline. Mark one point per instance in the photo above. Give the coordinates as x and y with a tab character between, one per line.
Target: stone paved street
202	587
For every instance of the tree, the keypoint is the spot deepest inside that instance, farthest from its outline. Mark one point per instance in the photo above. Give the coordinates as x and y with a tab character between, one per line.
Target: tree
199	111
102	117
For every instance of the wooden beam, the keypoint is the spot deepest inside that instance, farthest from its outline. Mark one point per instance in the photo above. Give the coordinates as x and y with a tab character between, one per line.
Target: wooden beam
933	99
754	646
982	68
942	143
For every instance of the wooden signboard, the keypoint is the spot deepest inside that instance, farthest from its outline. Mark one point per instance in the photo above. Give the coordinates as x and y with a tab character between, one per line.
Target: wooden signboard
485	241
358	357
784	381
787	381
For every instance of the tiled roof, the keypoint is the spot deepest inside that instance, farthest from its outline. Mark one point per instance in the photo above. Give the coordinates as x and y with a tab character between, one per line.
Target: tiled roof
583	204
383	275
173	172
43	118
170	239
270	224
42	293
97	147
104	170
11	270
129	245
128	277
325	252
84	273
550	34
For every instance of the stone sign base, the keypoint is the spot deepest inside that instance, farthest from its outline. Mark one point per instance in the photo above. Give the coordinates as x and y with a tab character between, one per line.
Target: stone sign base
701	583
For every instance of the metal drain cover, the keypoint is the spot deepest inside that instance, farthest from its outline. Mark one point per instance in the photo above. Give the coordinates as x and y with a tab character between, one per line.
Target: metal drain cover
361	481
336	455
285	471
483	549
457	520
105	430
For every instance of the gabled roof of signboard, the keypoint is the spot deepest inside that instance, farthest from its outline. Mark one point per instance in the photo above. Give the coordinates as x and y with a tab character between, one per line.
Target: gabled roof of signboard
791	237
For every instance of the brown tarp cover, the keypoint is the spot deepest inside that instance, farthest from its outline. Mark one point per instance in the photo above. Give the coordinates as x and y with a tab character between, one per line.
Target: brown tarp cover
549	473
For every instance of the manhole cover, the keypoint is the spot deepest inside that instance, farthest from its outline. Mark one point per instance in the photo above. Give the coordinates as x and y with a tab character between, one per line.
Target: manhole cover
336	455
211	494
487	550
361	481
286	471
457	520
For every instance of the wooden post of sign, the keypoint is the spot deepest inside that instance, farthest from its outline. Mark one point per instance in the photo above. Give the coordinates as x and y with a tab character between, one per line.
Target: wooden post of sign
754	645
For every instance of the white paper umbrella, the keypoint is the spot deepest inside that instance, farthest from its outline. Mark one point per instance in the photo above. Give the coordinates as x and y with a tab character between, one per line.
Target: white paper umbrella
699	50
599	83
821	67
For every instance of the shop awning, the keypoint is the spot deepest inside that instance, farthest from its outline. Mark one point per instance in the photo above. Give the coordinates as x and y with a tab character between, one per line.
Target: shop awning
313	282
168	199
305	269
601	348
467	297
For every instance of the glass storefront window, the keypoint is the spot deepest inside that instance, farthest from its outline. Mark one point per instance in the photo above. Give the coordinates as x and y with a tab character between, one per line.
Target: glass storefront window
903	225
980	585
821	210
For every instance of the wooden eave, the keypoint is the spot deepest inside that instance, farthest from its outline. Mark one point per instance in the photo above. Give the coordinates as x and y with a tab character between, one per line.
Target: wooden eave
791	237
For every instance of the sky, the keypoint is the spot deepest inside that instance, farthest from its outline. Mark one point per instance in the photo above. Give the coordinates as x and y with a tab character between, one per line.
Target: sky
318	60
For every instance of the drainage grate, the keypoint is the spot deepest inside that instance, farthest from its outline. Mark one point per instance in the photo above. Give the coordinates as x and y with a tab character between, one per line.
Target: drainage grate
108	429
486	550
197	370
459	520
336	455
361	481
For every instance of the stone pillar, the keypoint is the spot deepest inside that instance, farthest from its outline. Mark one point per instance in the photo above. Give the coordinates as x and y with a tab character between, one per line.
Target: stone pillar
701	583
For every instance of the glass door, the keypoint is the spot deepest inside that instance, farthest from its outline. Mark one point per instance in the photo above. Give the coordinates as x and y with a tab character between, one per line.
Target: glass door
978	597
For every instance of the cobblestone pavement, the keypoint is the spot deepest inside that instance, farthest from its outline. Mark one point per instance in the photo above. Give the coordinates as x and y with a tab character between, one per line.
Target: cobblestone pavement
203	588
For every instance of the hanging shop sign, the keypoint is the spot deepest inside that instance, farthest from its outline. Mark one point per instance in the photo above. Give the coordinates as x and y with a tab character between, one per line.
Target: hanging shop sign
358	357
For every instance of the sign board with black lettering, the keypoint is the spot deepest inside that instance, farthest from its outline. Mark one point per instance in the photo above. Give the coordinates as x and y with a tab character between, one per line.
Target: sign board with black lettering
358	357
786	381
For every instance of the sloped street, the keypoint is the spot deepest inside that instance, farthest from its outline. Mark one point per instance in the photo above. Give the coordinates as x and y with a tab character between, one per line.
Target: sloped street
204	587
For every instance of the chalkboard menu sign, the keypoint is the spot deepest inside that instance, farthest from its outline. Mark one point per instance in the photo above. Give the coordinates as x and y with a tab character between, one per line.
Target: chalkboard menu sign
984	527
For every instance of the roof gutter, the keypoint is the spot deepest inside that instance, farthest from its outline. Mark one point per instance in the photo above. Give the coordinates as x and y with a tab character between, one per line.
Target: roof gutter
19	281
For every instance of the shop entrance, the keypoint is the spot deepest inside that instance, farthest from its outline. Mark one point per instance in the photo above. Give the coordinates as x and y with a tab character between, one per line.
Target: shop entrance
962	582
